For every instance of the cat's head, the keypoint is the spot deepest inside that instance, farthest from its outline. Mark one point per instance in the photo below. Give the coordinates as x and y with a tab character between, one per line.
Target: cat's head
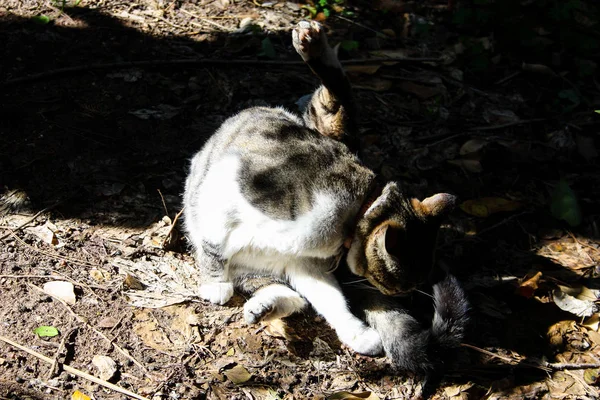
394	241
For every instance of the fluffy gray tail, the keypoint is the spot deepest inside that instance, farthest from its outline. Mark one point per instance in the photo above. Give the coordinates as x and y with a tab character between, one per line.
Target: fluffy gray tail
409	345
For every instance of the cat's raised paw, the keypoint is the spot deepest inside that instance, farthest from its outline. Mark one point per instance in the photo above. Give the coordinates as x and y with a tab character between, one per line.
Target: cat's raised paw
216	292
366	341
309	39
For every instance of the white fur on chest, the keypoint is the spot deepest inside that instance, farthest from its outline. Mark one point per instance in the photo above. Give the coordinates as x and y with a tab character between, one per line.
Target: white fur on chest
247	236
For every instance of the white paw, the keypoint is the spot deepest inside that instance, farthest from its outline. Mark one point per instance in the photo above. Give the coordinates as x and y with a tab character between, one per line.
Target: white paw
256	310
365	340
216	292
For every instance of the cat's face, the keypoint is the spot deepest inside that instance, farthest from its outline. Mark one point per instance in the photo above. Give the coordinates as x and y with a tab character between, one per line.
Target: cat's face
395	241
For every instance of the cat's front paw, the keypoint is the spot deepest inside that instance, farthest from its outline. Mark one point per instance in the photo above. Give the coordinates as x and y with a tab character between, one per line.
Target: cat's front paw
365	341
256	310
216	292
309	39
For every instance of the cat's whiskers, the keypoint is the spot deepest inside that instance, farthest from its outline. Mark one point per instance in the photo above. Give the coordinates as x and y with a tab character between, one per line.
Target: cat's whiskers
356	281
425	293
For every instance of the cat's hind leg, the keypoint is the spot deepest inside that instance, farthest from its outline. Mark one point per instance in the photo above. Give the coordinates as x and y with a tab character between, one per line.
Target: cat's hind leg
272	302
331	109
216	285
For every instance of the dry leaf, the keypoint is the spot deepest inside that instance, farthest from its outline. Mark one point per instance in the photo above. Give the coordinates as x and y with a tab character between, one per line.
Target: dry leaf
473	146
44	233
538	69
375	84
230	352
107	367
594	337
592	322
557	332
77	395
108	322
455	390
362	69
487	206
469	165
238	374
100	275
529	286
421	91
582	307
62	290
353	396
591	376
131	282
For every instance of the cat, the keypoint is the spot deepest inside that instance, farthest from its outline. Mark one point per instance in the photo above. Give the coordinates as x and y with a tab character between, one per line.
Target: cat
278	195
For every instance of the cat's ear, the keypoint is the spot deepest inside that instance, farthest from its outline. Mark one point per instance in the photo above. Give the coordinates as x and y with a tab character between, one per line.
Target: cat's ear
437	205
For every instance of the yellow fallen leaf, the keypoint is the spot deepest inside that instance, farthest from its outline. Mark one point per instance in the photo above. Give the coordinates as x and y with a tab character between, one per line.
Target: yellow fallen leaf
238	374
487	206
77	395
230	352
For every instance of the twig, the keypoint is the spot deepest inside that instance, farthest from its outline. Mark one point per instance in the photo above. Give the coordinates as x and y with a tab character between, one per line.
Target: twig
208	21
504	221
87	324
52	371
173	224
509	124
75	371
37	214
534	363
507	78
195	63
163	202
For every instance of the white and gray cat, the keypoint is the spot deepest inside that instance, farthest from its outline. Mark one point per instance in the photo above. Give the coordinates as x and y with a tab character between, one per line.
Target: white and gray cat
278	195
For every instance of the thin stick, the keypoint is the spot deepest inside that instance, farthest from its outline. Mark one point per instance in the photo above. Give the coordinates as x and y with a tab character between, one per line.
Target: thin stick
540	364
173	224
52	371
194	63
502	126
163	202
87	324
37	214
75	371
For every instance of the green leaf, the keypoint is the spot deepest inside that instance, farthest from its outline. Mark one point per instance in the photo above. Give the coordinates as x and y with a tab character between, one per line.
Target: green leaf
326	12
349	45
41	19
597	111
564	204
267	48
323	3
46	331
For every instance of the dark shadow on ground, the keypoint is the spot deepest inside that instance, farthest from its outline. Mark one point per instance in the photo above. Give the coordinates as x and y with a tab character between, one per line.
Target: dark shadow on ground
103	143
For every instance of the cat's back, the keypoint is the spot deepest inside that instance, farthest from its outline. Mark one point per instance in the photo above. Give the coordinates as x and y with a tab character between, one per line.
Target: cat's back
278	164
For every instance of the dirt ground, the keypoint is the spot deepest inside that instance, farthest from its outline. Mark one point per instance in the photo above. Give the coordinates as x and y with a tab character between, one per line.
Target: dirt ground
102	104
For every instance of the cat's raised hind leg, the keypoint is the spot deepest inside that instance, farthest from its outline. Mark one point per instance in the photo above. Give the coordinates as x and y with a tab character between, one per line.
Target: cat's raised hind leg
331	109
216	286
272	302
